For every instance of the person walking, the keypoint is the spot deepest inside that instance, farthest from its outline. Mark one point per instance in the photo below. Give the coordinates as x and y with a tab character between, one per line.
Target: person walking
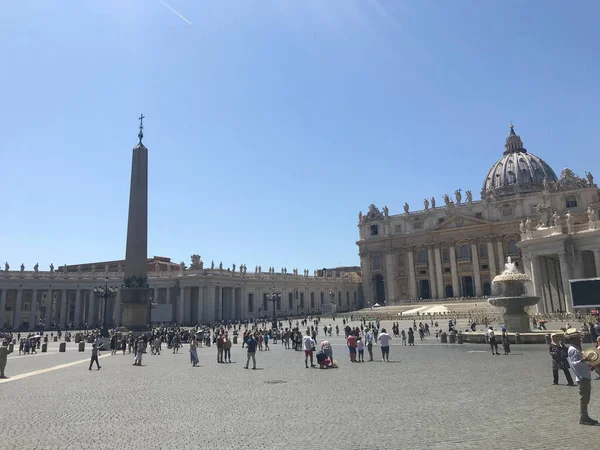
94	356
384	342
194	352
251	344
369	343
492	339
583	375
505	342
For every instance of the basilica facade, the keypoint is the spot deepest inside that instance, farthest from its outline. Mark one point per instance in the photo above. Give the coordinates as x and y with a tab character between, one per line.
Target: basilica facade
547	224
183	294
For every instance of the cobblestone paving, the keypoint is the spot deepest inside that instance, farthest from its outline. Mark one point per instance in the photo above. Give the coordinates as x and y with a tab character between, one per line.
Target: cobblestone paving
429	396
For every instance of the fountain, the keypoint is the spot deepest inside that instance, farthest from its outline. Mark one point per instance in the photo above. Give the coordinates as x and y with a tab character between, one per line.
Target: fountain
510	292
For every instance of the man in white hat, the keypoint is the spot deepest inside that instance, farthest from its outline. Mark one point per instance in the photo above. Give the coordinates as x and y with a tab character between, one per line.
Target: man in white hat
583	375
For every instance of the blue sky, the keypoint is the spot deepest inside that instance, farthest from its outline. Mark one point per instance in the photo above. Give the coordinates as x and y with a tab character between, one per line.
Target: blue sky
271	123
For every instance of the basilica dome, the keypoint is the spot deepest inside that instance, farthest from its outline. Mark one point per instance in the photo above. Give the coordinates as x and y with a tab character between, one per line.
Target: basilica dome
517	171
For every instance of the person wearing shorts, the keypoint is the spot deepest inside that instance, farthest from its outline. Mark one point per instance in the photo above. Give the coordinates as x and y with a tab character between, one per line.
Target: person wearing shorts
308	345
351	342
384	341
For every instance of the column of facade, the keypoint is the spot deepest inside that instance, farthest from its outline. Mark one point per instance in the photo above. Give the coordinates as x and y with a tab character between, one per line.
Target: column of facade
476	268
389	275
18	305
412	281
50	301
200	315
501	261
536	278
91	319
155	294
32	308
78	301
432	271
2	308
491	260
117	311
454	271
565	275
597	261
439	272
181	306
209	304
365	262
219	303
63	309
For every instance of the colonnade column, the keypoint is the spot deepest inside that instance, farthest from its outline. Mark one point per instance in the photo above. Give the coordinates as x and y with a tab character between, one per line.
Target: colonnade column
2	308
439	271
597	261
91	309
77	318
491	260
476	268
565	276
412	282
389	275
63	309
500	248
432	271
49	302
32	308
117	311
365	262
454	271
210	303
219	303
200	312
18	305
181	306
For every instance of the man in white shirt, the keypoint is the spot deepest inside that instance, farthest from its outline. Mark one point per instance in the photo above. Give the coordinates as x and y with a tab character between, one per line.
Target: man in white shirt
492	340
583	375
308	344
384	341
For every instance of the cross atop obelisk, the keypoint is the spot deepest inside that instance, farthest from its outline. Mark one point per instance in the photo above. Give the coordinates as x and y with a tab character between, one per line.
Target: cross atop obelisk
141	133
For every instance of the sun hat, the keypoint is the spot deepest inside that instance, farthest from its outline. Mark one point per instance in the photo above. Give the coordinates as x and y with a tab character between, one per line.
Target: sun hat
592	355
572	332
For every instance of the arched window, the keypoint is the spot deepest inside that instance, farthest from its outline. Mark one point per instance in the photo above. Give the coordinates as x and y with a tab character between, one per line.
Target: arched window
512	247
422	256
571	201
463	251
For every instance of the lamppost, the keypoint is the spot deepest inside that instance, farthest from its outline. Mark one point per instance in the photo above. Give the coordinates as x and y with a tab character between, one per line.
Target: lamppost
274	297
105	292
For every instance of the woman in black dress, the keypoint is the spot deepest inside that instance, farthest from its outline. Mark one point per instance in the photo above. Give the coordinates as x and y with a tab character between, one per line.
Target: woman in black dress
558	352
411	336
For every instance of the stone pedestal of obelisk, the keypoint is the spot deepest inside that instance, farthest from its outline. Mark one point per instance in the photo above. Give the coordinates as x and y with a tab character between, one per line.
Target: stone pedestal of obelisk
135	292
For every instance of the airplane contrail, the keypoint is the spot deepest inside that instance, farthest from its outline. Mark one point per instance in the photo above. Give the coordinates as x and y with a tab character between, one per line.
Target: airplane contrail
167	6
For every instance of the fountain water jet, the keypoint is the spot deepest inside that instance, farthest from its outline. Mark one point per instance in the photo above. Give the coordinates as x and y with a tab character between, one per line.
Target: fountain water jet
510	292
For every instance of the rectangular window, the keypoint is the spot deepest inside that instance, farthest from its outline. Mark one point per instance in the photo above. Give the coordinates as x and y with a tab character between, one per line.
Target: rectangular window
440	220
250	303
484	266
446	269
312	300
483	251
446	256
398	228
418	225
290	302
302	300
422	272
479	215
322	298
374	230
377	262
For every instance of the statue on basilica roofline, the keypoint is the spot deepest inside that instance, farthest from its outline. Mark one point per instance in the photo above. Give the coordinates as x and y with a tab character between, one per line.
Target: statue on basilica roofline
556	220
590	178
36	268
570	223
446	199
458	196
545	184
360	217
51	267
6	266
591	214
181	266
426	204
259	269
406	207
212	265
385	212
22	267
469	197
233	268
221	265
522	228
528	224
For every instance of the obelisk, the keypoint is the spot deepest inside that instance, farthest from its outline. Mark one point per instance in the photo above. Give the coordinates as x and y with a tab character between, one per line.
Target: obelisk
135	292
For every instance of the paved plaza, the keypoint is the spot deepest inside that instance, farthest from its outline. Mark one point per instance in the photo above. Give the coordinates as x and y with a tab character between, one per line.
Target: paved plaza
432	395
